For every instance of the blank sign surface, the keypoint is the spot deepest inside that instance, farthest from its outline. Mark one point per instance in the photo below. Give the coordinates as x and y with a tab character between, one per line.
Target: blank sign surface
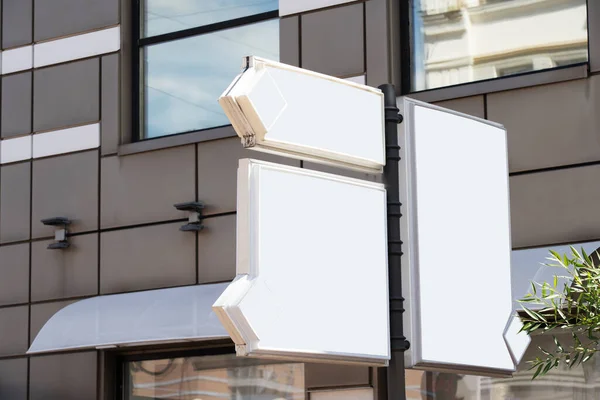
457	241
312	267
307	115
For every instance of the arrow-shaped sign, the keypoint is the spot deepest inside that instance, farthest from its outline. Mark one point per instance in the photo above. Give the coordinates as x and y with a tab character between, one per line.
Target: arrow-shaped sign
275	107
311	271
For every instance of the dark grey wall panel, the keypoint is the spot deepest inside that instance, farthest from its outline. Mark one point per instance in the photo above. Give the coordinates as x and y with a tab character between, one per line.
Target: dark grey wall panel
144	187
15	188
289	40
17	18
16	104
110	125
66	186
66	94
41	313
333	41
469	105
323	375
217	172
13	330
376	28
216	250
54	18
63	377
555	207
147	258
561	118
68	273
13	379
14	270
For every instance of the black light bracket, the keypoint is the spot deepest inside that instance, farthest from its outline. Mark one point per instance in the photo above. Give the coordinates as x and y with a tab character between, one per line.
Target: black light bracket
195	217
61	240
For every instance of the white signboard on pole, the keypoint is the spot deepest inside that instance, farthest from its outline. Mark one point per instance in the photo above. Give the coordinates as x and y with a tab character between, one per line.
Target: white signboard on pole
457	248
312	279
297	113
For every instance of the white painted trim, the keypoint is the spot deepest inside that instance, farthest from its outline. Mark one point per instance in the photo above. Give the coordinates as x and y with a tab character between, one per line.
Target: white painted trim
66	140
287	7
18	59
77	47
16	149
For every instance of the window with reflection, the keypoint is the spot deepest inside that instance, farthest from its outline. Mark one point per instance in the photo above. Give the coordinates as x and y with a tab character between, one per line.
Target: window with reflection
189	52
213	378
460	41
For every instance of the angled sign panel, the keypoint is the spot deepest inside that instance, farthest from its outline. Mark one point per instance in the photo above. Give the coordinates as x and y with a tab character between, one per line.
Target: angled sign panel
275	107
457	248
311	267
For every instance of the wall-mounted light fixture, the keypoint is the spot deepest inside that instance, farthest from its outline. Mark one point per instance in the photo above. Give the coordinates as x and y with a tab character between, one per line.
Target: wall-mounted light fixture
60	232
195	217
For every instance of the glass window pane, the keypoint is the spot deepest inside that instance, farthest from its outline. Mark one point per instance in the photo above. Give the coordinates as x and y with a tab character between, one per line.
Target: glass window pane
184	78
164	16
460	41
213	378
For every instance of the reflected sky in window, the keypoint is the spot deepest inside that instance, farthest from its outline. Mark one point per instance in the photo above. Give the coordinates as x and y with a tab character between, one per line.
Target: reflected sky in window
164	16
528	265
184	78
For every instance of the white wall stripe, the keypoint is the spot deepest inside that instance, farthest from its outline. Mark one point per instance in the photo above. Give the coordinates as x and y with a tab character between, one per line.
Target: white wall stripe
66	140
18	59
76	47
287	7
17	149
360	79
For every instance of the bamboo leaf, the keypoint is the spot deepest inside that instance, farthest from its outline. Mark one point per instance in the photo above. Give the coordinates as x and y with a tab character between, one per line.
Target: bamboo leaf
558	345
537	372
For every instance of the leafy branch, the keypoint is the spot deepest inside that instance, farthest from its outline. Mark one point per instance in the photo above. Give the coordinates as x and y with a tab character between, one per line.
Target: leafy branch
574	308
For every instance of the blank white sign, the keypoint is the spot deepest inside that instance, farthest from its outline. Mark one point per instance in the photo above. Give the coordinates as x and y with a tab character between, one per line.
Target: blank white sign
303	114
311	267
456	233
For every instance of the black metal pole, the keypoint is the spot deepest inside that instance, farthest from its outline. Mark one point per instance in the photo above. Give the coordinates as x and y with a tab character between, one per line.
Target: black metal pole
396	385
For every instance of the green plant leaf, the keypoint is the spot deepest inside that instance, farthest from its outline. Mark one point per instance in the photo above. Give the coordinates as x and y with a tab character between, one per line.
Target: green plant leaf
537	372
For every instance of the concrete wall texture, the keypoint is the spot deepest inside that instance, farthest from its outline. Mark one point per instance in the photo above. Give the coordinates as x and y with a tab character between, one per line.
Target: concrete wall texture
120	195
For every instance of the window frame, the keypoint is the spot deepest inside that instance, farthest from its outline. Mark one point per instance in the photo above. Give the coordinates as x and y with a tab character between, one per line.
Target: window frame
556	74
138	74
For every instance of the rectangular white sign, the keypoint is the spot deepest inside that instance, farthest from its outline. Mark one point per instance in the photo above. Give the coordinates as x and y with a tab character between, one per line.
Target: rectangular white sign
456	235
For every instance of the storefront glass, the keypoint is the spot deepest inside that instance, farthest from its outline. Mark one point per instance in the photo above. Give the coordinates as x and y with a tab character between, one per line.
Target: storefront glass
212	378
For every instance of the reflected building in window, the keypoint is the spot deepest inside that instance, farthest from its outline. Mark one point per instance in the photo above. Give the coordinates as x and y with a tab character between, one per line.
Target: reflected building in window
460	41
214	378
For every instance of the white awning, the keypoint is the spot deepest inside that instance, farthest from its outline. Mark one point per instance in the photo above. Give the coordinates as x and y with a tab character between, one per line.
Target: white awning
150	317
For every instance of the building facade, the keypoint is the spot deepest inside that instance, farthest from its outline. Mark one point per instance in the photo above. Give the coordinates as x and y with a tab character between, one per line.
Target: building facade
108	118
